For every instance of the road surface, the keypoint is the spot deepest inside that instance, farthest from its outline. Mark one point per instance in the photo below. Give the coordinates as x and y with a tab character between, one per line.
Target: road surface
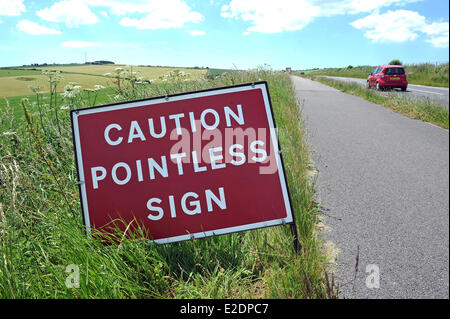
438	95
383	183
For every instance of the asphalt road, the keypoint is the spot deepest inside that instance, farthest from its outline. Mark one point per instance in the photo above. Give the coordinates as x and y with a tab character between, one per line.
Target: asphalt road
383	183
438	95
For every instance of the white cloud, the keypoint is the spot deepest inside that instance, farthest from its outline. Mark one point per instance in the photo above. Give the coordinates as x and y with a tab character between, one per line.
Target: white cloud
197	32
121	8
393	26
79	44
153	14
71	12
146	14
438	34
161	14
33	28
336	7
11	7
268	16
401	26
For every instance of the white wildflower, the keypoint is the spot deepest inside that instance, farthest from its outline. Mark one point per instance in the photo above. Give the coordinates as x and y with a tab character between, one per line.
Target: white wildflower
35	88
98	87
71	90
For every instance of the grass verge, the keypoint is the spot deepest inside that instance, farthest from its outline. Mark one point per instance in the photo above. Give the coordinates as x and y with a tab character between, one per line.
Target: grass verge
421	73
417	109
43	242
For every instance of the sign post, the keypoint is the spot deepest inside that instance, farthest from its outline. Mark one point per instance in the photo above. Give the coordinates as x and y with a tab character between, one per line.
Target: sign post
184	166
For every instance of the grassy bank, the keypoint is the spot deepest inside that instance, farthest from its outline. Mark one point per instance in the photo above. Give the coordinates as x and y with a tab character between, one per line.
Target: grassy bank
417	109
42	239
424	73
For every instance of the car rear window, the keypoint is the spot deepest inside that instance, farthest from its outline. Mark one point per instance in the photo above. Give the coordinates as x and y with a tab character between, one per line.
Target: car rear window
395	71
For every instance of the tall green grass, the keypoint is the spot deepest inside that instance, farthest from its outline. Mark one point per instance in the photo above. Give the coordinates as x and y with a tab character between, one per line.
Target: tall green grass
41	230
421	73
428	74
423	110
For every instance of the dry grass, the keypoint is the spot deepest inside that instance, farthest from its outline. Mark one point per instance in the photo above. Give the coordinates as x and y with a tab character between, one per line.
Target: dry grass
153	72
14	86
85	75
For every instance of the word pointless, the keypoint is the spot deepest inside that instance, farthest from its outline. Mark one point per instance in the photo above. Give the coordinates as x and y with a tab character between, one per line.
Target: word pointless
160	168
151	168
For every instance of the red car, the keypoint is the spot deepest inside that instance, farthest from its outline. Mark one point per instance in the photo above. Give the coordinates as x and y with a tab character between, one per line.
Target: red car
388	77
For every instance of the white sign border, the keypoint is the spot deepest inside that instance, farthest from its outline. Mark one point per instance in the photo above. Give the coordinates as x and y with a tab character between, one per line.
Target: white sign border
183	96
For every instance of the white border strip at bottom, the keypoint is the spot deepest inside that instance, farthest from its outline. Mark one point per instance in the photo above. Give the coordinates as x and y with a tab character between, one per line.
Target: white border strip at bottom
223	231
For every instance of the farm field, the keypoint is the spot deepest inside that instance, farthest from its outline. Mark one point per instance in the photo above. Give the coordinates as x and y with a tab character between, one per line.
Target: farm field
148	72
20	85
6	72
16	82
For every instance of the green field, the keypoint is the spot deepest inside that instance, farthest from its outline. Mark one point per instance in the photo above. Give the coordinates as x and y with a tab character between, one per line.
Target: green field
42	234
17	72
423	73
16	82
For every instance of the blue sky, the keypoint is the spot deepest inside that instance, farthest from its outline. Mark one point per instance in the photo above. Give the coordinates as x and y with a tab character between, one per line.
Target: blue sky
225	33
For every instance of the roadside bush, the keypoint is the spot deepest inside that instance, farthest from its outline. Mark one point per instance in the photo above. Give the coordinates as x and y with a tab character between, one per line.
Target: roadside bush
396	62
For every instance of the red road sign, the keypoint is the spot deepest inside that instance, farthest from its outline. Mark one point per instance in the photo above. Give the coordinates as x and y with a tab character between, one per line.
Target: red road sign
184	166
